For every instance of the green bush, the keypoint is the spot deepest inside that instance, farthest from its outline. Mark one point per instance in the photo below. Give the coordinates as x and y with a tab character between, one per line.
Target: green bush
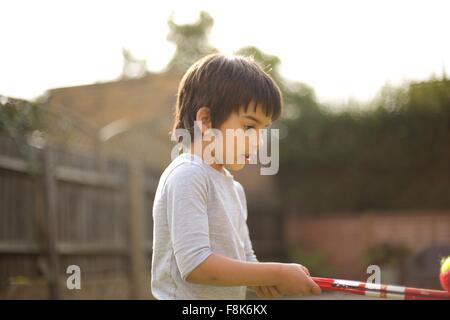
316	262
386	254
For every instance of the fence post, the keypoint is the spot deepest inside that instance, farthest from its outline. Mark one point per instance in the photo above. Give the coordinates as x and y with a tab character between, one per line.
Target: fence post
50	226
136	230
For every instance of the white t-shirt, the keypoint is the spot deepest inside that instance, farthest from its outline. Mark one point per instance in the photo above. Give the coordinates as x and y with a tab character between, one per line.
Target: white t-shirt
197	211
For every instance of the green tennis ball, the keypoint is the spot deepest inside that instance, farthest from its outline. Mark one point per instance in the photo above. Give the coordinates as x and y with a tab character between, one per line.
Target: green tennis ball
444	277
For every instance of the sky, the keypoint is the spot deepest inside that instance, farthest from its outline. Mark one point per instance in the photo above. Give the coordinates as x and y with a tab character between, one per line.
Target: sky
343	49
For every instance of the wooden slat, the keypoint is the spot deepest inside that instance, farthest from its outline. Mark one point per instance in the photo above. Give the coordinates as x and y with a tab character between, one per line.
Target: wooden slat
13	164
136	230
91	249
18	248
65	249
64	173
87	177
150	184
51	198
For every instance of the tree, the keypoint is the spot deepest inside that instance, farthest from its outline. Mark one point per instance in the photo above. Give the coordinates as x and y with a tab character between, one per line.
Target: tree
132	67
191	41
269	63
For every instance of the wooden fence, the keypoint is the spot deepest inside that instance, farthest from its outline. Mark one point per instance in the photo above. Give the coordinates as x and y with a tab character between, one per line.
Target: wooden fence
62	207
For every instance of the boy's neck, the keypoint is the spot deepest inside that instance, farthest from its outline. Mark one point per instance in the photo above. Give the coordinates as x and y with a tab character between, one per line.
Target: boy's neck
216	166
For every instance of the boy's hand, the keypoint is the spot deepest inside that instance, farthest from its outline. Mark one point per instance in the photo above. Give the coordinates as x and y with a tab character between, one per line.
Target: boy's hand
270	292
294	280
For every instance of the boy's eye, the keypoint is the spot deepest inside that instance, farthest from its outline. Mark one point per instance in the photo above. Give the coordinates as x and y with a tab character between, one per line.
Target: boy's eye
246	127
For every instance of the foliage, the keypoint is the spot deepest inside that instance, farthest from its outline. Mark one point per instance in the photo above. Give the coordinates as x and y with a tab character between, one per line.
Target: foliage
386	254
191	42
22	121
19	117
132	67
269	63
394	153
316	262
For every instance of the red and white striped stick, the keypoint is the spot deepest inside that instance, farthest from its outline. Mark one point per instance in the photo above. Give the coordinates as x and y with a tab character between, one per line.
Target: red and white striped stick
380	290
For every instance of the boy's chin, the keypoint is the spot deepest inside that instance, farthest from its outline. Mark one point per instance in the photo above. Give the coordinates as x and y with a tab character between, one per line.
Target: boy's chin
235	166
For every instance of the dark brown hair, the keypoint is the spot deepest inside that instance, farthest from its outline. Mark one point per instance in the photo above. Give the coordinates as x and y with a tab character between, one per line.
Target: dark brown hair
224	84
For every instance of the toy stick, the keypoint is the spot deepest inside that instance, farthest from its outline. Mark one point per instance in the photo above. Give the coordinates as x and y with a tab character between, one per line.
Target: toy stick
380	290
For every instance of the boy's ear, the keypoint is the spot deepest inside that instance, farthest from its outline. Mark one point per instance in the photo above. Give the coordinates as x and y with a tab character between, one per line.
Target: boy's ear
204	115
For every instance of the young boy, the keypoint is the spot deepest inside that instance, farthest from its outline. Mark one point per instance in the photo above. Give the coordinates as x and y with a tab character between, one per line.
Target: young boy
201	244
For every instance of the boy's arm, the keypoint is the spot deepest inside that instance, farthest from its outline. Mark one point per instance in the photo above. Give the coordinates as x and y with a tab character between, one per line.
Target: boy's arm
218	270
287	278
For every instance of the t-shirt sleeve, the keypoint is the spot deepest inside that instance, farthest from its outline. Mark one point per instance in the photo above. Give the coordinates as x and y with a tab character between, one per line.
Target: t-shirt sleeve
186	192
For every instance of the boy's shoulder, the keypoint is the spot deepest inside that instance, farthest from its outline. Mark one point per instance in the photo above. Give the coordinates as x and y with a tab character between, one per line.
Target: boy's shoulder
239	186
183	169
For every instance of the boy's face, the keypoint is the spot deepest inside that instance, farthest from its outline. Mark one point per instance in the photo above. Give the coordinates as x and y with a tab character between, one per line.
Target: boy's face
245	121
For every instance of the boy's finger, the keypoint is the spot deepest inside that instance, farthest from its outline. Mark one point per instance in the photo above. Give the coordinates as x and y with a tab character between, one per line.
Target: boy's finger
275	292
315	289
259	292
266	292
306	270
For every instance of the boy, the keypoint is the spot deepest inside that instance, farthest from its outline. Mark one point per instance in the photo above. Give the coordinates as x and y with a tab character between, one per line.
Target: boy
201	244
